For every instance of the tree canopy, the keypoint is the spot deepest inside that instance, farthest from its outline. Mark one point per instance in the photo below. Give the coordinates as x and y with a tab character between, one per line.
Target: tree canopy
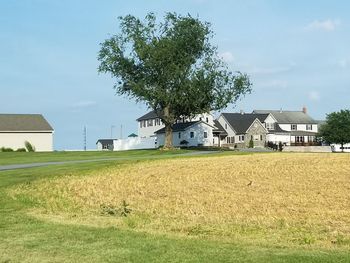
337	128
171	66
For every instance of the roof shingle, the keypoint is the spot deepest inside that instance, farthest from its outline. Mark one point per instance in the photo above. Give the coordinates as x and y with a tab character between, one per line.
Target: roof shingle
24	123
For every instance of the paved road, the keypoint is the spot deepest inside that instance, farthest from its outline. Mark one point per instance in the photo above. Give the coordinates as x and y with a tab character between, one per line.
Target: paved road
32	165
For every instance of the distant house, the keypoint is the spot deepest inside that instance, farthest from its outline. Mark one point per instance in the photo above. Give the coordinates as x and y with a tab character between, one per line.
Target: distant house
15	129
194	133
294	128
241	128
105	144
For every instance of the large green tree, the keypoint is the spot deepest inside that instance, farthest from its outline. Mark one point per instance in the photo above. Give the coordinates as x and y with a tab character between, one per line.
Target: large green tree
337	128
171	66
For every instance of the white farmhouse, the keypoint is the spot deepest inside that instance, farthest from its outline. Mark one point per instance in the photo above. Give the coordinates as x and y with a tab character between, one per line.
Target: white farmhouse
193	133
294	128
15	129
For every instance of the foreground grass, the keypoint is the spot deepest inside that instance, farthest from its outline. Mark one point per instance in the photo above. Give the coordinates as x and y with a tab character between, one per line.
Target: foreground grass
52	237
7	158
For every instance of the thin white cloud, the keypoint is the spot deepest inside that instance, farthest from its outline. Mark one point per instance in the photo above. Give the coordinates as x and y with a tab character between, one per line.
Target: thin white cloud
274	84
314	95
84	104
327	25
227	56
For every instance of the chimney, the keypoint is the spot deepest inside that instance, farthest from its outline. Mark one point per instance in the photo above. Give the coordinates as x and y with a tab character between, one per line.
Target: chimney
305	110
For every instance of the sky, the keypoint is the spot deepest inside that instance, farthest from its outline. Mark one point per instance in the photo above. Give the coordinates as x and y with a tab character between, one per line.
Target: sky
297	53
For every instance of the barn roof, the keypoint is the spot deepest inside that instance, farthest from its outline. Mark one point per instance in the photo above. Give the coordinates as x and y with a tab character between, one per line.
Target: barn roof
23	123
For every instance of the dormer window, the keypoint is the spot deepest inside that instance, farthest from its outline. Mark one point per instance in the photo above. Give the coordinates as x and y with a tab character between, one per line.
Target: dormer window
270	126
293	127
309	127
207	119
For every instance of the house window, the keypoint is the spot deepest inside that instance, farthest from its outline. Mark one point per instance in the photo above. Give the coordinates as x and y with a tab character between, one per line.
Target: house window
207	119
200	118
105	146
233	139
225	125
293	127
179	135
309	127
149	123
144	123
261	137
205	135
157	122
191	134
270	126
241	138
140	124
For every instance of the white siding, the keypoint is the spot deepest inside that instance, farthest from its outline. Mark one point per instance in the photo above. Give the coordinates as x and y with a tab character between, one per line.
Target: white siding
226	126
300	127
148	131
43	142
198	138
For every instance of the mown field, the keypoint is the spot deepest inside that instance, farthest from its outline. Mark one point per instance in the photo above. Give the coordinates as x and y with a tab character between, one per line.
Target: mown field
278	207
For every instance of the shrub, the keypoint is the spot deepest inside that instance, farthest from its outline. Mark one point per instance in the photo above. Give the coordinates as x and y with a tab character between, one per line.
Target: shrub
251	143
4	149
184	142
21	150
280	146
29	146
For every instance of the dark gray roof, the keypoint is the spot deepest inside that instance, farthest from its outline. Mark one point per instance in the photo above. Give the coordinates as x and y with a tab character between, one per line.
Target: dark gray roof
150	115
132	135
218	128
179	126
105	141
241	122
24	123
289	117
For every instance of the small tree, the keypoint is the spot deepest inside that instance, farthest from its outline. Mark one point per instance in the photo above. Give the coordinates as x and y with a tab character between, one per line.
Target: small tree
29	146
251	143
337	128
171	66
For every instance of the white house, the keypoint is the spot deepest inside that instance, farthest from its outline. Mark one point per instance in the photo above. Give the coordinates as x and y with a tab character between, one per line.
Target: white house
15	129
149	123
193	133
292	127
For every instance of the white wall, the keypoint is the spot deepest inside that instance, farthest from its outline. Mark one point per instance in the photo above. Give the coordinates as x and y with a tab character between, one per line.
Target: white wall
300	127
43	142
224	124
148	130
134	143
198	138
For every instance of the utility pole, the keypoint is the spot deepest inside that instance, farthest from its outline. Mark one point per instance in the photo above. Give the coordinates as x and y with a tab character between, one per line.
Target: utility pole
121	131
85	138
112	126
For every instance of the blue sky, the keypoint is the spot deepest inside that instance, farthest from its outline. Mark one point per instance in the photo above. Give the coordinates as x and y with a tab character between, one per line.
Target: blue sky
297	54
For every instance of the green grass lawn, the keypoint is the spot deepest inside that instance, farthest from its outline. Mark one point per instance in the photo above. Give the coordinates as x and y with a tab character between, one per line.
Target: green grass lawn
27	239
7	158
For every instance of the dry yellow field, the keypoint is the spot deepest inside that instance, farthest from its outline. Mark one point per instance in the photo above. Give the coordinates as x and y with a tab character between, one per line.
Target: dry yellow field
275	199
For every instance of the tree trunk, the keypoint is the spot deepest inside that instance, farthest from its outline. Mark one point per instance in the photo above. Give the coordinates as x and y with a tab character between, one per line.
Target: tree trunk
342	147
168	144
168	121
